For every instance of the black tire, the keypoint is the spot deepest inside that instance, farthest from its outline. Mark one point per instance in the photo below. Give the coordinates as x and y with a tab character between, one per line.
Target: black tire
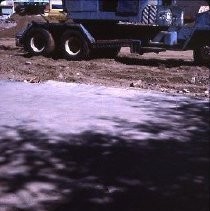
39	42
202	55
105	52
74	46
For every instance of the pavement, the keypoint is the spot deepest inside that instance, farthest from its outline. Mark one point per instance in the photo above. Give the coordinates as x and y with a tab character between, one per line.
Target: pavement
66	146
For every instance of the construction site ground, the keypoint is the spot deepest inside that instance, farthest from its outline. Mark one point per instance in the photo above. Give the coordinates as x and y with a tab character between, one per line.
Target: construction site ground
171	71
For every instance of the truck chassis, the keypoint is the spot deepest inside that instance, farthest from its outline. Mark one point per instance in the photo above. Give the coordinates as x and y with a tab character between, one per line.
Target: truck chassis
77	41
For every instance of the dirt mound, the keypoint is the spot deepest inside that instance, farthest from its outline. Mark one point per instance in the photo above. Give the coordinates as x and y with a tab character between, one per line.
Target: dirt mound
20	23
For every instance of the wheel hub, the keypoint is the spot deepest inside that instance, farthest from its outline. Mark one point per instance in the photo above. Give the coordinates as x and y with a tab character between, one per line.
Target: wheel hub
37	44
73	46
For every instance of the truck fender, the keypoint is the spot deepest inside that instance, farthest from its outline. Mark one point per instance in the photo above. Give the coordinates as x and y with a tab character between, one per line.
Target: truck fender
86	33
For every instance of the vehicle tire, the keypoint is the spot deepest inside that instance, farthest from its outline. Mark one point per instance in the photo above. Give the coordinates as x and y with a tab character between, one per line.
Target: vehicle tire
74	46
39	42
105	52
202	54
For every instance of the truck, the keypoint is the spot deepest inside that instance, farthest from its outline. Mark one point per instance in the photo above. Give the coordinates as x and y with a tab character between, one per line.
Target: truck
102	27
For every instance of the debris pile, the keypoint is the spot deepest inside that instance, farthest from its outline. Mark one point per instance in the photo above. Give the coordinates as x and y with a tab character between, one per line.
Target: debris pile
10	26
6	23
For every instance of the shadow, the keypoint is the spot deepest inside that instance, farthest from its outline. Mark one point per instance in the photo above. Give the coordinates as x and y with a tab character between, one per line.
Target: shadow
154	62
7	48
25	55
55	55
59	55
29	55
169	63
98	171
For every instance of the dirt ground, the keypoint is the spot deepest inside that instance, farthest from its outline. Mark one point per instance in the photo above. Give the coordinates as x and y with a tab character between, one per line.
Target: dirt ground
173	72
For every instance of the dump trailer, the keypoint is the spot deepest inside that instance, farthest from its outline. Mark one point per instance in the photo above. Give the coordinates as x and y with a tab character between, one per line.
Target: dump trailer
102	27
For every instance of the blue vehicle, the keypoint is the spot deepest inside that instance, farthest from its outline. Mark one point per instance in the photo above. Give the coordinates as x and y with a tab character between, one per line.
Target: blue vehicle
102	27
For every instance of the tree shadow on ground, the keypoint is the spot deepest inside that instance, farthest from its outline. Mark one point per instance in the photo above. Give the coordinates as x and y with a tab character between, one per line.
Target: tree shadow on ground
98	171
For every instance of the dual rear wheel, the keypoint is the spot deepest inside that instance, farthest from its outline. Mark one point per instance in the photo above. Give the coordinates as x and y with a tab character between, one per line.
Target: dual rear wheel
40	41
73	45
